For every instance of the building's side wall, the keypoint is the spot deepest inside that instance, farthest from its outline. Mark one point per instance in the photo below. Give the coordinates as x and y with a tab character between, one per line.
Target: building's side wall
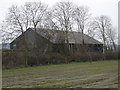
18	42
31	40
98	48
87	47
95	47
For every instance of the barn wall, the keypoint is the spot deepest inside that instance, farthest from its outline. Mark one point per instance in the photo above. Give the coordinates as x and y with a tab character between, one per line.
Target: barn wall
31	40
95	47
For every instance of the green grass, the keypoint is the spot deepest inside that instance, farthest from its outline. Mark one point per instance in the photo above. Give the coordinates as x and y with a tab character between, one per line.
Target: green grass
98	74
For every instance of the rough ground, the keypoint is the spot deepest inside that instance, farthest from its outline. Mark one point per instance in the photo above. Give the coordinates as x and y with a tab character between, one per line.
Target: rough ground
99	74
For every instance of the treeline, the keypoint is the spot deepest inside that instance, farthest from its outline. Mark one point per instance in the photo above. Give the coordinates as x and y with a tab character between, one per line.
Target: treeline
64	16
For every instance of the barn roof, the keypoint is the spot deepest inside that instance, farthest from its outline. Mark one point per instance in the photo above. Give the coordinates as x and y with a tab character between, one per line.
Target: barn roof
57	36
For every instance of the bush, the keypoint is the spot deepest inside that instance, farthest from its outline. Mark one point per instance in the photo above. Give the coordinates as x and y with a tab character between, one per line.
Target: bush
119	55
111	55
49	58
12	58
54	58
16	58
87	56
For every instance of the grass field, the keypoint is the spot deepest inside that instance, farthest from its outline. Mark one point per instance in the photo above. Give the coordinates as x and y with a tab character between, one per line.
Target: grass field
99	74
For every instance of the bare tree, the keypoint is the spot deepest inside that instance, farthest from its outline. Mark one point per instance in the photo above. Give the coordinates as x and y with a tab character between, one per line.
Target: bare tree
36	12
20	18
8	33
15	19
48	21
112	37
14	24
81	16
102	25
63	12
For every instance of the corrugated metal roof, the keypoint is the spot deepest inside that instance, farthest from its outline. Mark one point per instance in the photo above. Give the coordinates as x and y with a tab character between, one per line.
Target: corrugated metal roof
57	36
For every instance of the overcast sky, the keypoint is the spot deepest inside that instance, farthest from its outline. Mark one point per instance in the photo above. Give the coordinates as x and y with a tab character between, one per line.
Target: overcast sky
97	7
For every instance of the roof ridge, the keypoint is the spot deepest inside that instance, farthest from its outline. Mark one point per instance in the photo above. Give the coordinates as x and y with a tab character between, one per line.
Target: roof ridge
76	33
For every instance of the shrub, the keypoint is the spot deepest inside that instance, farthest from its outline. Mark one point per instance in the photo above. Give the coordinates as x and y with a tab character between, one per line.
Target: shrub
54	58
111	55
16	58
12	58
48	58
87	56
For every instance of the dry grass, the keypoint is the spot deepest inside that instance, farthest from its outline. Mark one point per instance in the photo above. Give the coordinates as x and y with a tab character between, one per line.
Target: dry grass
100	74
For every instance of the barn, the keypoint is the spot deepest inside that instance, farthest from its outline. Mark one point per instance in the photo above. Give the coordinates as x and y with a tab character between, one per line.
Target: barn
54	40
